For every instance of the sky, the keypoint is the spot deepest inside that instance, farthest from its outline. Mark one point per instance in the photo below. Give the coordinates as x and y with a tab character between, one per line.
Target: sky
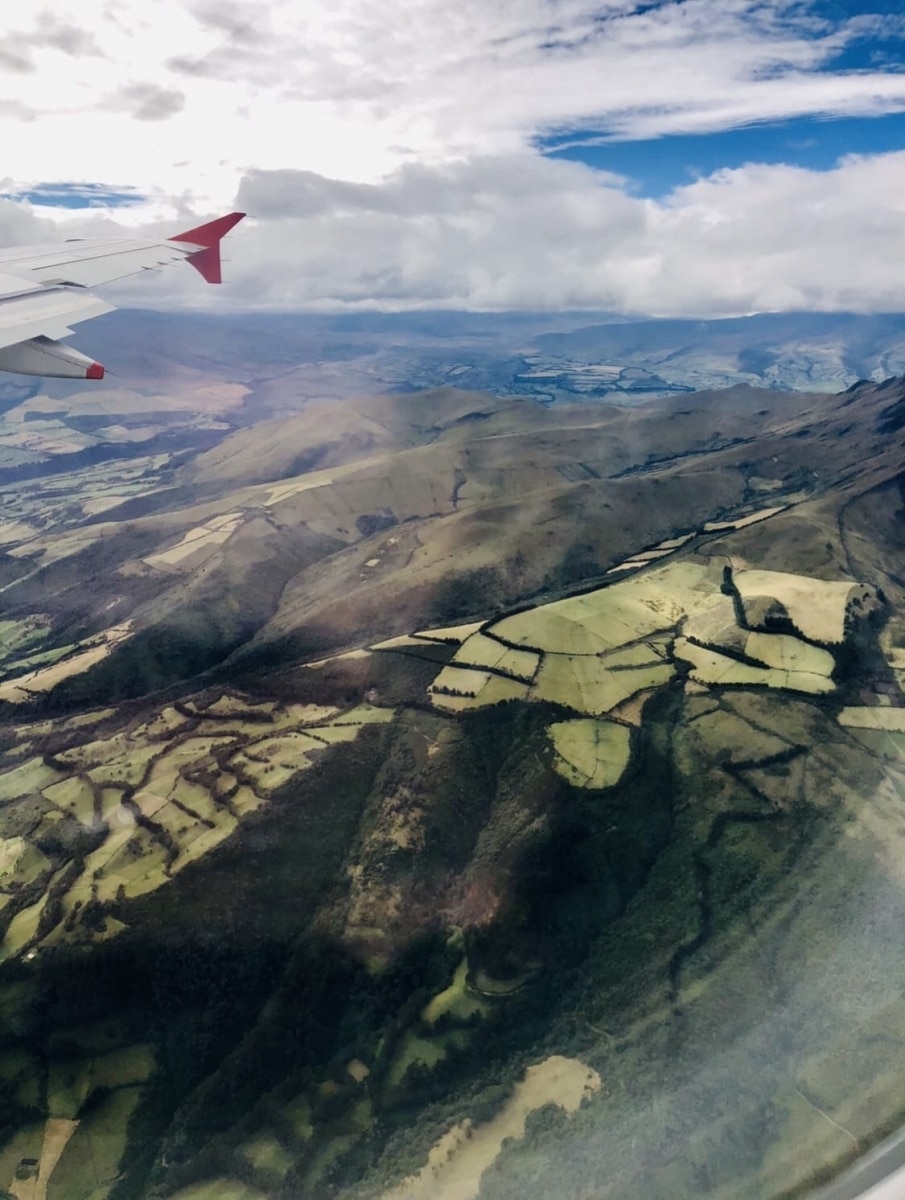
692	158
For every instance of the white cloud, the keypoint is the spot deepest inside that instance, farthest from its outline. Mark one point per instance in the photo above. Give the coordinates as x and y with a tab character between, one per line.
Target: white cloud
523	232
388	152
351	90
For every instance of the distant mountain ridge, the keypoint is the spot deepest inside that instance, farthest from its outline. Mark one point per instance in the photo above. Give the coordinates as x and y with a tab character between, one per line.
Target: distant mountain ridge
285	358
801	351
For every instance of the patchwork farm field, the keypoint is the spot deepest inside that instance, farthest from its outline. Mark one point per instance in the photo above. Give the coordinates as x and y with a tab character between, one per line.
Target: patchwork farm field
594	652
147	802
591	754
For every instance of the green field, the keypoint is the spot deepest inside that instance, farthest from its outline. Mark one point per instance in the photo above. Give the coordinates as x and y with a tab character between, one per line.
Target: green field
18	637
816	607
587	684
266	1152
317	928
711	667
613	616
789	654
888	720
593	652
89	1165
168	794
481	651
455	1001
591	754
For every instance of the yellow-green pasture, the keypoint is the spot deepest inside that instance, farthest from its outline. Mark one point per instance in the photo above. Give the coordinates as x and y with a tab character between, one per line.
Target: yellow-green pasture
743	522
715	624
45	678
264	1151
197	544
589	753
816	607
18	636
599	649
610	617
89	1165
473	689
74	796
451	633
888	720
482	651
711	667
31	776
589	685
167	794
22	929
787	653
426	1051
455	1001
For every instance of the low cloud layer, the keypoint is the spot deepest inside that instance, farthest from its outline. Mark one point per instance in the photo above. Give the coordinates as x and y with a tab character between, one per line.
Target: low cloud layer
521	232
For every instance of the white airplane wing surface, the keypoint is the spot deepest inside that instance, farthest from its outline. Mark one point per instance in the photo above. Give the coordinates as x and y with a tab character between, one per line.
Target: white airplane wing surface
43	291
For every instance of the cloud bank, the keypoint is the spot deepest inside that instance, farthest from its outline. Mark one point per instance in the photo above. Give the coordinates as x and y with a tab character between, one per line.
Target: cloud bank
523	232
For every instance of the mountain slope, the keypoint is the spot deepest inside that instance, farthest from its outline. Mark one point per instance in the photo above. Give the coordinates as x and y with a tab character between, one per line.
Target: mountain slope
506	802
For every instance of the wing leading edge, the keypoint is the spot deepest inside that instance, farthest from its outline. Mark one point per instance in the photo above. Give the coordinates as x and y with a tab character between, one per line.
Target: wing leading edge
43	291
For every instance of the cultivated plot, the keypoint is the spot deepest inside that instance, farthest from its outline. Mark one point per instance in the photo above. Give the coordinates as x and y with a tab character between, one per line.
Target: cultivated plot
816	607
147	801
594	652
591	754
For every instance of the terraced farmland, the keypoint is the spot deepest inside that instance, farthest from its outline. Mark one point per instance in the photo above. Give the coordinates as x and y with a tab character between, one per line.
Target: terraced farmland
595	652
663	703
139	805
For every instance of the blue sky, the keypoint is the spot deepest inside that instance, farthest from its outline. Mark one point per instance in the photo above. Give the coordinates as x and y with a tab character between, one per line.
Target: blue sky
656	166
77	196
873	41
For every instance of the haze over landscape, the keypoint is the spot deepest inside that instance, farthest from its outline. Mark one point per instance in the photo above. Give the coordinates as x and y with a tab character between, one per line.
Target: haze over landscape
452	676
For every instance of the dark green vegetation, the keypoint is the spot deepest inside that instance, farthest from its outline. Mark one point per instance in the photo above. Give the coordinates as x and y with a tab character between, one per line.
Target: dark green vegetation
718	936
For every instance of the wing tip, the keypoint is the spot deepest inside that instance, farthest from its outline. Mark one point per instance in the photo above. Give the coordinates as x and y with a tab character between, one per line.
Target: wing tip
211	232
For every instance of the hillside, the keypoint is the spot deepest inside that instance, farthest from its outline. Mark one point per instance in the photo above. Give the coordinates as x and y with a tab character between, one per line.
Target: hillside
442	794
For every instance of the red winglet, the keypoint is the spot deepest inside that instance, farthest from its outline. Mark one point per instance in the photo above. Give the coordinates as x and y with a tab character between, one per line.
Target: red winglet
206	261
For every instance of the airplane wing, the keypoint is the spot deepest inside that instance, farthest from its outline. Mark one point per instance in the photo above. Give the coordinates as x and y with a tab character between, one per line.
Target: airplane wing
44	291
